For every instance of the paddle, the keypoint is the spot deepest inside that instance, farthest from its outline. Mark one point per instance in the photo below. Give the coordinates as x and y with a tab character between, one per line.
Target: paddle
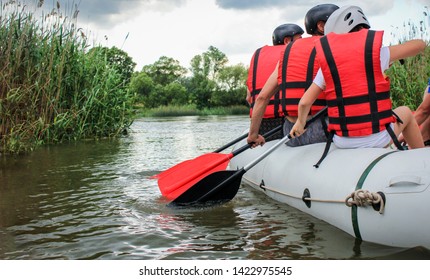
184	163
186	174
223	185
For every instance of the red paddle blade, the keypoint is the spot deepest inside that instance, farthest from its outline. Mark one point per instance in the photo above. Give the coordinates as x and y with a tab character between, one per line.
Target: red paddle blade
171	169
186	174
178	166
187	164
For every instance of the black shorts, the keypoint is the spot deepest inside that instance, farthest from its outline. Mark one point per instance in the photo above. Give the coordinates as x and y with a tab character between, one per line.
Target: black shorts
315	133
269	124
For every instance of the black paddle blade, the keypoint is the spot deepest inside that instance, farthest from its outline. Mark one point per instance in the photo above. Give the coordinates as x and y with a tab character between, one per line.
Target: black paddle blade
218	187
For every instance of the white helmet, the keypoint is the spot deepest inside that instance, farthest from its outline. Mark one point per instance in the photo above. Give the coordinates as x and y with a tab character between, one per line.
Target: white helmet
344	19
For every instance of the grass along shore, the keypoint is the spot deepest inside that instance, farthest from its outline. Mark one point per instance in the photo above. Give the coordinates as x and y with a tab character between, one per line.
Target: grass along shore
188	110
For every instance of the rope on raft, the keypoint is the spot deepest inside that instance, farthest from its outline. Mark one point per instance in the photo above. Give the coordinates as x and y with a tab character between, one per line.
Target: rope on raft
364	198
358	198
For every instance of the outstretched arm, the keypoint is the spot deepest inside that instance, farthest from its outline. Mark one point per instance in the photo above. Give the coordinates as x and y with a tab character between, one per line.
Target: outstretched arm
406	49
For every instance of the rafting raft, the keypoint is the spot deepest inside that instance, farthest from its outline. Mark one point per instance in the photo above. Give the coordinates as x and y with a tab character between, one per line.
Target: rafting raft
374	194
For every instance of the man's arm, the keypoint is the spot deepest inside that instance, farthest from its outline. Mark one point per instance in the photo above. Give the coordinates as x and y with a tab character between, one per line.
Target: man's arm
269	89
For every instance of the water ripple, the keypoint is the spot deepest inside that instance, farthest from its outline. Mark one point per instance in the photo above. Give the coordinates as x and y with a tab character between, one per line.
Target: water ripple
95	200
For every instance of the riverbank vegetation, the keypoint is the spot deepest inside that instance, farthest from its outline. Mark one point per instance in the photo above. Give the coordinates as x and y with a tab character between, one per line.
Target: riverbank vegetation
55	86
190	110
52	87
409	79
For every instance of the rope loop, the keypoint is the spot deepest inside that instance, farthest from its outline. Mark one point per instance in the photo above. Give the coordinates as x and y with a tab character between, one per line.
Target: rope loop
364	198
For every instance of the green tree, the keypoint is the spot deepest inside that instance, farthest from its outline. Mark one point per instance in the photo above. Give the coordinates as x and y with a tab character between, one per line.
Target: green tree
165	70
206	69
159	84
141	85
215	61
231	88
171	94
200	90
209	64
177	93
233	77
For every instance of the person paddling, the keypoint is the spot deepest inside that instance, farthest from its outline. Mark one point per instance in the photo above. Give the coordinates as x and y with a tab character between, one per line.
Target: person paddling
353	62
263	62
292	76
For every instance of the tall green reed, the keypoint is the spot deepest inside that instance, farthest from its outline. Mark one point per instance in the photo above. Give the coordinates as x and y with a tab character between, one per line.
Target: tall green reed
408	80
53	89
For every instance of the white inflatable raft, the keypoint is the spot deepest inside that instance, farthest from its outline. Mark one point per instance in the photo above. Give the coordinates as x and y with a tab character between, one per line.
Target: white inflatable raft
376	195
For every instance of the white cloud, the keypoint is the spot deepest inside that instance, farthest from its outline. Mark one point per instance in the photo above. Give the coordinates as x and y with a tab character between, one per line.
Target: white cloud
182	29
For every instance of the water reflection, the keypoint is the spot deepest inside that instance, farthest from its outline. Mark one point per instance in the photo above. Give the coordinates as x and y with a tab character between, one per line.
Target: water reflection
94	200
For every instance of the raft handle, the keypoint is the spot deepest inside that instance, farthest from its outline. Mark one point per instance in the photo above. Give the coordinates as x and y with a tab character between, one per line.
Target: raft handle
405	179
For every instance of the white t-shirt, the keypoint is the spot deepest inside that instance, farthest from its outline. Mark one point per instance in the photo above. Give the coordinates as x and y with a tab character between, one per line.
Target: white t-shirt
376	140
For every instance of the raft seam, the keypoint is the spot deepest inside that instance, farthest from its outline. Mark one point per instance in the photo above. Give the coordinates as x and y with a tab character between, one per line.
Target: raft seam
354	208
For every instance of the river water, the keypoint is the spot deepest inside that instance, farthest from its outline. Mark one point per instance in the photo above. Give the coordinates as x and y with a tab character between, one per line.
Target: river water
95	200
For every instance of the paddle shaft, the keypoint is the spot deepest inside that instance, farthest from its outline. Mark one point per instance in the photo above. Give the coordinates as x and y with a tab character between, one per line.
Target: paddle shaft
282	141
249	145
231	155
240	172
172	169
223	185
179	179
231	143
238	151
265	135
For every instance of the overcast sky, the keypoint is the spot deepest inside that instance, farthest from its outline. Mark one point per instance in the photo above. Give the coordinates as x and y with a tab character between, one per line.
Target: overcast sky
181	29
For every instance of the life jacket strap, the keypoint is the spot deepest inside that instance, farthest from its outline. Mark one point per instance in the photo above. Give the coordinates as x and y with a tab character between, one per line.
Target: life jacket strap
326	149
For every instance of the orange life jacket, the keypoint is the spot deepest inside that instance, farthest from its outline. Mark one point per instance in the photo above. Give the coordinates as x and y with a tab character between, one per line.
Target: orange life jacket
357	93
297	69
263	63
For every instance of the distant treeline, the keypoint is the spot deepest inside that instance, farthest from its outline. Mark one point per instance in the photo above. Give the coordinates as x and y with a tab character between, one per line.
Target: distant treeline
209	83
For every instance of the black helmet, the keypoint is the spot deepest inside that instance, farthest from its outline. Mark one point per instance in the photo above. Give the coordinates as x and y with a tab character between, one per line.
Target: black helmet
317	13
285	30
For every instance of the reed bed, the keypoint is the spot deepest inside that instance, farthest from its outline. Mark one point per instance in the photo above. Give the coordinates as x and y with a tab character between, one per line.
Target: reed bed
52	88
409	80
191	110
